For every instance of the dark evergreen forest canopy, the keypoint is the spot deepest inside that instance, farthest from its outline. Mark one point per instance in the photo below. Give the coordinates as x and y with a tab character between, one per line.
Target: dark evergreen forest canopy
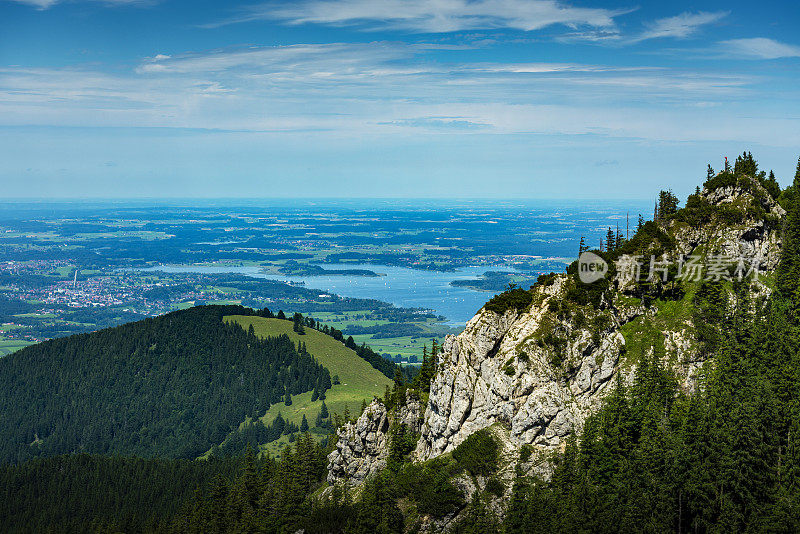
170	386
94	493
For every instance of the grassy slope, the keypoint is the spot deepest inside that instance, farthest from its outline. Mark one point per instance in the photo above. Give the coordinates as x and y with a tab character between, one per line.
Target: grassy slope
359	380
7	346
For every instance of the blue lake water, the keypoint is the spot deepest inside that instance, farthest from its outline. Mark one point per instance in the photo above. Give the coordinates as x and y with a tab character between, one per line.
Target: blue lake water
401	286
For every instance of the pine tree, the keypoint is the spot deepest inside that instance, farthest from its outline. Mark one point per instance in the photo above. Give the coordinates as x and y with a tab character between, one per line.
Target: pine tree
581	248
399	390
218	505
297	320
323	412
709	172
304	424
772	186
610	240
667	205
788	273
378	512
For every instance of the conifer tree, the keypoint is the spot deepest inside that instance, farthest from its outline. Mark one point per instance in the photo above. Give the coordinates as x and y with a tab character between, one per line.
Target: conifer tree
304	424
788	273
610	240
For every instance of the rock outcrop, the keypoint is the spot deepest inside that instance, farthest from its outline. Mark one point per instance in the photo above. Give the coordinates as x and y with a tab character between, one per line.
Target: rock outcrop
534	374
755	236
361	448
498	371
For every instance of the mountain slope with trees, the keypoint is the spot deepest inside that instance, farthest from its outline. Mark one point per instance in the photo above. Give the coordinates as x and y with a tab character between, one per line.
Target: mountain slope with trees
169	386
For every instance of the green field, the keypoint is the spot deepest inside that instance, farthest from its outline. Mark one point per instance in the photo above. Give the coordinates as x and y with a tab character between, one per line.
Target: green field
7	346
359	380
406	346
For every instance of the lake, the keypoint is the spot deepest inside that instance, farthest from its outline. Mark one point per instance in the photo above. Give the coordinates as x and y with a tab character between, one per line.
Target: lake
401	286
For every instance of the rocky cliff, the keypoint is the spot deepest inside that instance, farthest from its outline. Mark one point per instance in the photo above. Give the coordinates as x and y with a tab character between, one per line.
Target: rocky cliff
535	372
363	446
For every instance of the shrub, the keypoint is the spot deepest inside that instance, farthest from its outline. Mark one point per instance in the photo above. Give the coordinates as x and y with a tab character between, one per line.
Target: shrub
723	179
546	279
478	454
516	299
429	486
495	487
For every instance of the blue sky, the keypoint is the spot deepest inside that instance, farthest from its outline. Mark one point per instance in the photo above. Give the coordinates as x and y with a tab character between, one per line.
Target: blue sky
390	98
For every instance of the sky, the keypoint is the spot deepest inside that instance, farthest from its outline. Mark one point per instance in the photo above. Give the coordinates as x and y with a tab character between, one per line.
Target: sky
391	98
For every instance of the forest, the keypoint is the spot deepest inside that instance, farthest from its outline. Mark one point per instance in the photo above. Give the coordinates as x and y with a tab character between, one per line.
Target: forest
170	386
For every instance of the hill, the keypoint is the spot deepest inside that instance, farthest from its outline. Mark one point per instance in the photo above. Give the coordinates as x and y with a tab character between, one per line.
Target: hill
169	386
358	380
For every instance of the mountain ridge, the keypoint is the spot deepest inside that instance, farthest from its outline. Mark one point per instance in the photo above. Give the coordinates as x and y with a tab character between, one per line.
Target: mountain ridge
534	365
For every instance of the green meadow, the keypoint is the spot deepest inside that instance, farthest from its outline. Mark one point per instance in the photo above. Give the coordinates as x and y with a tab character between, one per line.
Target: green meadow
359	381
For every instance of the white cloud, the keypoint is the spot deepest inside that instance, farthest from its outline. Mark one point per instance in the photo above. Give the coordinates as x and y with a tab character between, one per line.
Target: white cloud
40	4
374	89
333	58
46	4
680	26
432	16
759	48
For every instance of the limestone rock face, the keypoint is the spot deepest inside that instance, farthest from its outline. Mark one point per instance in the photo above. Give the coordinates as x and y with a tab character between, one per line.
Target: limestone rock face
361	448
753	237
496	372
410	414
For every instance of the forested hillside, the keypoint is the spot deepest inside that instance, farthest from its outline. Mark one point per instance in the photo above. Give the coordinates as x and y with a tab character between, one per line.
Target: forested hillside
93	493
170	386
355	382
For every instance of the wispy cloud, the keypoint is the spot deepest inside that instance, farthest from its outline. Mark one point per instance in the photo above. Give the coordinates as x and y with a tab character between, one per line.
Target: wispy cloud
46	4
39	4
371	89
332	59
438	123
431	16
680	26
758	48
